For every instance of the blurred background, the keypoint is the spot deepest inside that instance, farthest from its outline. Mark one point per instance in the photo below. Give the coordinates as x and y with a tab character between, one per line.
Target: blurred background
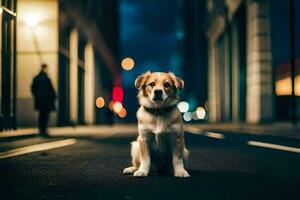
239	58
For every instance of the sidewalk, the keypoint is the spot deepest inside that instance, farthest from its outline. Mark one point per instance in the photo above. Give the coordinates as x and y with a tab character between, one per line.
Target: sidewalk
275	129
77	131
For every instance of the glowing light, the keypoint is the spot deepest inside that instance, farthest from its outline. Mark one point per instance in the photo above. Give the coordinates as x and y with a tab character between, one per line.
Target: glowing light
127	64
117	107
100	102
200	112
117	94
31	21
183	106
194	116
111	105
1	11
187	116
122	113
284	86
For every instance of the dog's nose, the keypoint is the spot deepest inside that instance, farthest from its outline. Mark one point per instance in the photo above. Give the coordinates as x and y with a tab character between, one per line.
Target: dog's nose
158	92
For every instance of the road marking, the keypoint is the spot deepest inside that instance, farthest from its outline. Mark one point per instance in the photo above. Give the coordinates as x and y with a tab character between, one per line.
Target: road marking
36	147
207	134
214	135
274	146
192	130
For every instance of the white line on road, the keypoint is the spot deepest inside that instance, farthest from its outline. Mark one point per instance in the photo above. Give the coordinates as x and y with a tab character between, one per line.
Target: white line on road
214	135
274	146
207	134
36	147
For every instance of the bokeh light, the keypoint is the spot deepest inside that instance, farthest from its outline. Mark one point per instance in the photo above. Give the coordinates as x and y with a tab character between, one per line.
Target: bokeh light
111	105
31	21
117	94
187	116
194	116
200	112
100	102
183	106
127	63
117	107
122	113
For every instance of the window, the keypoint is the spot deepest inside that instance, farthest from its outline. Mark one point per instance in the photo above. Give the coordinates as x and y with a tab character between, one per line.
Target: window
285	50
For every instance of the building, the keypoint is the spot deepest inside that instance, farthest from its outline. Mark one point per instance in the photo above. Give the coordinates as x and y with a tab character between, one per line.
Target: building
8	64
247	52
88	38
79	42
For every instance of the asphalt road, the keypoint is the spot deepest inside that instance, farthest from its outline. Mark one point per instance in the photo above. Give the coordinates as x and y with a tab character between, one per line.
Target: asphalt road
91	168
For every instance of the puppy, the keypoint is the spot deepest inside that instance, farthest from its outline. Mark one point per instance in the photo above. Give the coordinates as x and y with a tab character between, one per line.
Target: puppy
160	144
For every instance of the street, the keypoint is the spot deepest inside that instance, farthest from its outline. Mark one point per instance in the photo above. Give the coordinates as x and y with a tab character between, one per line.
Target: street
222	166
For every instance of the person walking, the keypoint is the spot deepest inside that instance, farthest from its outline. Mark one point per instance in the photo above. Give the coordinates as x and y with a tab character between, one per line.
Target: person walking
44	98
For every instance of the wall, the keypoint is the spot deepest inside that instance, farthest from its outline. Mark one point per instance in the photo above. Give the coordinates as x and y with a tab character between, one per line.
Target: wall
259	68
89	91
74	76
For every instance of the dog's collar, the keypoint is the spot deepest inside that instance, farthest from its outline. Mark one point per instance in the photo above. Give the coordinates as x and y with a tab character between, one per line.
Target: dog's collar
159	111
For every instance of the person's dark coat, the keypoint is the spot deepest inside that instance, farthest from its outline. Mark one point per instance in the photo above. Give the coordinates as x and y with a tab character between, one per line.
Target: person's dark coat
43	92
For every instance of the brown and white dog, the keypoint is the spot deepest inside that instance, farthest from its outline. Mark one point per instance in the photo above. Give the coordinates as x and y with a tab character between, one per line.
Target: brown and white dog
160	144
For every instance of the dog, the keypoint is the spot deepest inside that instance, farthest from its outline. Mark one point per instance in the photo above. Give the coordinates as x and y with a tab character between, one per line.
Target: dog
160	145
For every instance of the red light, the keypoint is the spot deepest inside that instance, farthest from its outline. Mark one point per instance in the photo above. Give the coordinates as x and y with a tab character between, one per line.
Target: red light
117	94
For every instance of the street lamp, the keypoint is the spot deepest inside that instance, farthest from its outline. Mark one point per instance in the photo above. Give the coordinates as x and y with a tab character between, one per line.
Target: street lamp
31	21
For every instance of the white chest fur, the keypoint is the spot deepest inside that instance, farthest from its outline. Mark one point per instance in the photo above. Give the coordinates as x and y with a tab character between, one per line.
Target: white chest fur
158	124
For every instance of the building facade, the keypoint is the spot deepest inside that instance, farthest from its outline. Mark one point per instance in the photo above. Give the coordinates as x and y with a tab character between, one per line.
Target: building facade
243	79
78	40
8	73
88	49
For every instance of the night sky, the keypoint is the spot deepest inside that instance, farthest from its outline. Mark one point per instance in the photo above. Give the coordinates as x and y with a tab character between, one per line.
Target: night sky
147	35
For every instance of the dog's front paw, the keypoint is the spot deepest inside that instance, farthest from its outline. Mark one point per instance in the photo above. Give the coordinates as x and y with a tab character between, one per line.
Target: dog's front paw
181	173
129	170
140	173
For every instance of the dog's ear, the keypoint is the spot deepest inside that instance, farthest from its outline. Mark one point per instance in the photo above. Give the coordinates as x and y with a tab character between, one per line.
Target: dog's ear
140	81
179	83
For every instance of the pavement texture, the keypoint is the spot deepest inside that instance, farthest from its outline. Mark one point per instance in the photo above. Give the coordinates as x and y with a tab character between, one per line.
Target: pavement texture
282	129
226	168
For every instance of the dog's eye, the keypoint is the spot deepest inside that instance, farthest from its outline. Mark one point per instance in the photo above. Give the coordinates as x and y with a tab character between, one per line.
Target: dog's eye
152	84
166	85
